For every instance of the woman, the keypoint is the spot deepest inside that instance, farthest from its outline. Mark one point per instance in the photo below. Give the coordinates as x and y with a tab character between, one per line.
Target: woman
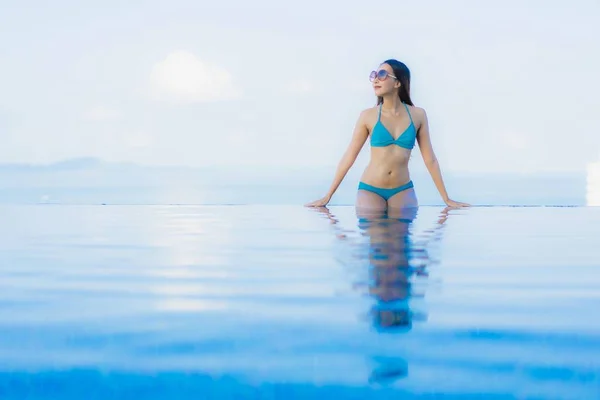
394	125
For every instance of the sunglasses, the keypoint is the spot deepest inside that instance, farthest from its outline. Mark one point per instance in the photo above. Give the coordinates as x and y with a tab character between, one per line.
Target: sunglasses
382	75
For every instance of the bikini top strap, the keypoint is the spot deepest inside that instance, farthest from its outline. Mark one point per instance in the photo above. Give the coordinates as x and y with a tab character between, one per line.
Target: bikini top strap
408	111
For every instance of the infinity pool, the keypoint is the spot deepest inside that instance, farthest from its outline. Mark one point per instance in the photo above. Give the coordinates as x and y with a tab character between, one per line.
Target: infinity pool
269	302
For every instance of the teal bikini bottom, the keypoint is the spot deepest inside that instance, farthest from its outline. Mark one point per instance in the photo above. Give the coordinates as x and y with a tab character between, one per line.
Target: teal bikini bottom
385	193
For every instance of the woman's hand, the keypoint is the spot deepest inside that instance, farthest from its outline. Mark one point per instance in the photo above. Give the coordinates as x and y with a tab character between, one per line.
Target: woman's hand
319	203
456	204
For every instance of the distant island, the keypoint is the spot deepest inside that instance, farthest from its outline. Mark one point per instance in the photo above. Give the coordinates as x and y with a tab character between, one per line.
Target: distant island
68	164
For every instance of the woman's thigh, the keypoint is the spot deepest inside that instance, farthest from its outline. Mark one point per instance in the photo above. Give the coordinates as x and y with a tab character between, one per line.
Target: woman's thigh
370	205
403	204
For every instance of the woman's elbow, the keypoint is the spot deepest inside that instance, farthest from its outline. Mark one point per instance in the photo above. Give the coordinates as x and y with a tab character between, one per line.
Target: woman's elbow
429	161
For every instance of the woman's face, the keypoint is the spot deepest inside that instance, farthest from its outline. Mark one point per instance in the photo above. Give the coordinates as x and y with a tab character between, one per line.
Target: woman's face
383	82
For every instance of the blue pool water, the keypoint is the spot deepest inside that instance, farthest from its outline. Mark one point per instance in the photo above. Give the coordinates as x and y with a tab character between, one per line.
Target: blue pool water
269	302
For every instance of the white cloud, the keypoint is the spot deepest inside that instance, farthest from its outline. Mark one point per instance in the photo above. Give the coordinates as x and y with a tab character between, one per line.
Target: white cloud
100	113
182	77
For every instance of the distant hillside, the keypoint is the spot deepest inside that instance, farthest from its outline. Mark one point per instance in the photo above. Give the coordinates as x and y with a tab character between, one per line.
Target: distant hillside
68	164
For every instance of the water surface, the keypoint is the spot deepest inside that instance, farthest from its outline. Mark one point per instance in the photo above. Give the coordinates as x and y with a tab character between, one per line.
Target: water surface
285	302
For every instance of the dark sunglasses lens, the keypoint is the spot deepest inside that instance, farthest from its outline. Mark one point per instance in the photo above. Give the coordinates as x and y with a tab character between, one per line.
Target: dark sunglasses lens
372	76
382	74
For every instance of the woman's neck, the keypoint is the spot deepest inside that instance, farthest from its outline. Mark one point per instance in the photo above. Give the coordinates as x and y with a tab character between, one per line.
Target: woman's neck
392	104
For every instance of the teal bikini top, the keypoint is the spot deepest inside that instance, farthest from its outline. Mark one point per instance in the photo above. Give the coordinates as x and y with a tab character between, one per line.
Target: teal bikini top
381	137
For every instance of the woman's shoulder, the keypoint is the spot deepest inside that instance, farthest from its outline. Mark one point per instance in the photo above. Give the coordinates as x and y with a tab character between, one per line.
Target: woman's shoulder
368	113
417	110
418	113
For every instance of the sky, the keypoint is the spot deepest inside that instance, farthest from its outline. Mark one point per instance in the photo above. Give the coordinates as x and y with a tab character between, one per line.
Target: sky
508	87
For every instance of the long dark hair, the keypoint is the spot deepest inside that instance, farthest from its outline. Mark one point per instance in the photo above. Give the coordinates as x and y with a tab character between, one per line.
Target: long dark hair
401	72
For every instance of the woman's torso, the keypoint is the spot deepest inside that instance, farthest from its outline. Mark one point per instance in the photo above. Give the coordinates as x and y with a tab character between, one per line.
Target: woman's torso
391	139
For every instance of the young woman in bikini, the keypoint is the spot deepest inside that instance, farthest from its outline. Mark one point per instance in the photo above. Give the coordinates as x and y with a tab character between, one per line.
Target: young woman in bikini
394	126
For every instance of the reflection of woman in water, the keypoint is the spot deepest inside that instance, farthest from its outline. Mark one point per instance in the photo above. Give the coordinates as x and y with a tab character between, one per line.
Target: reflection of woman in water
394	258
389	256
394	126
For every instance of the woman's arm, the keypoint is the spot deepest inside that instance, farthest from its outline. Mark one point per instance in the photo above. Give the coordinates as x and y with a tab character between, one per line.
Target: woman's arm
359	137
431	162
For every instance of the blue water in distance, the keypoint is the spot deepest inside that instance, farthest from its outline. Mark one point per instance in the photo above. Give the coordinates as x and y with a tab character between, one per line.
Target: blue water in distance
236	302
